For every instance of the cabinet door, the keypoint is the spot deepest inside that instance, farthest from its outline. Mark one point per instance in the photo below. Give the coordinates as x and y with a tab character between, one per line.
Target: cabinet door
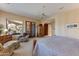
45	29
40	30
30	28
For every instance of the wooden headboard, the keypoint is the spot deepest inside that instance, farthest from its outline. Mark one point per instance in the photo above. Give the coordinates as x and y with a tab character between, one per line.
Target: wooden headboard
5	38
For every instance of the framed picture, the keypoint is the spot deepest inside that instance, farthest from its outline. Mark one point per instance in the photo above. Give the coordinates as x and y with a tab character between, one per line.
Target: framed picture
14	27
70	26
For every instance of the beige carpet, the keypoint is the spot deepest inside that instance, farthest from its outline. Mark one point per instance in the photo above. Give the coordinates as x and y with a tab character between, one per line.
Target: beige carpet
25	49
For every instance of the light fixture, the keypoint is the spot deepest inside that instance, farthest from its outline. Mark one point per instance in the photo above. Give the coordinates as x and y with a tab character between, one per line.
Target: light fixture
43	14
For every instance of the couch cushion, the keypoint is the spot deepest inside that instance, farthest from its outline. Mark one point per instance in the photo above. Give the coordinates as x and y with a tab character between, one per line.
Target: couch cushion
1	46
14	44
23	38
5	51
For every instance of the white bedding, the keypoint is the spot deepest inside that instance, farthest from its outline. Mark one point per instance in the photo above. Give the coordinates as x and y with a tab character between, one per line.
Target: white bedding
57	46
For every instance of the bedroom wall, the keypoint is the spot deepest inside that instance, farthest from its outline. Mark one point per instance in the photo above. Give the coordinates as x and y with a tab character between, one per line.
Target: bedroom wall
64	18
10	16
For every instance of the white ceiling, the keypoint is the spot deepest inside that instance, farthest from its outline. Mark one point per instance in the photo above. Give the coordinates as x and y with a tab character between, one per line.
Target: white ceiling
34	10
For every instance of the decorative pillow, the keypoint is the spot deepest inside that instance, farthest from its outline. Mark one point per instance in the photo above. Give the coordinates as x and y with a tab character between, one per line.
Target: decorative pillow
12	45
1	46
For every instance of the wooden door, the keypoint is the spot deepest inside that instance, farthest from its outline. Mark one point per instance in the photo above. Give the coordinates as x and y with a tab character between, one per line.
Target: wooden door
40	30
29	27
45	29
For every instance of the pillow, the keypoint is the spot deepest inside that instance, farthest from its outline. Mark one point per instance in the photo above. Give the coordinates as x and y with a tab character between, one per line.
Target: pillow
1	46
12	44
4	51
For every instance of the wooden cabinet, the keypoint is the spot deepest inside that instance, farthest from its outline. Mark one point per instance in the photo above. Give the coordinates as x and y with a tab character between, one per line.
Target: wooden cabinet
30	28
45	29
40	30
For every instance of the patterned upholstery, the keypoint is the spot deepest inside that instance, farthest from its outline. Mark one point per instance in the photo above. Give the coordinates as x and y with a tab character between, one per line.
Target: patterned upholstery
6	52
1	46
8	45
12	45
23	38
5	38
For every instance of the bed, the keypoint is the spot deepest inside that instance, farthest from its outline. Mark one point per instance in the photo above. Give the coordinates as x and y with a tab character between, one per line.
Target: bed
56	46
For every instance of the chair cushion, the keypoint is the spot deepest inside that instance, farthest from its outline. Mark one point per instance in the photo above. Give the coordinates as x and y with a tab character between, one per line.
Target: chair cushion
24	39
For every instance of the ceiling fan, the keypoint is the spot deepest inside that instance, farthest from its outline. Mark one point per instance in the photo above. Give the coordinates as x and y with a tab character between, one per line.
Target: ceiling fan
43	14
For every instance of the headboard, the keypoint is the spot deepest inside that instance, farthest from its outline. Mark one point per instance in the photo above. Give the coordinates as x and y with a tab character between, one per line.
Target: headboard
5	38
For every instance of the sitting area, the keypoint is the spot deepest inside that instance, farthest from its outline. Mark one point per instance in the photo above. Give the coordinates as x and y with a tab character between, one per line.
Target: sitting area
7	45
11	42
5	51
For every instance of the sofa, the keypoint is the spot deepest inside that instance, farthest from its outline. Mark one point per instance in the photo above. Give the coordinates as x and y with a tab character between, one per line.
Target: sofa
7	45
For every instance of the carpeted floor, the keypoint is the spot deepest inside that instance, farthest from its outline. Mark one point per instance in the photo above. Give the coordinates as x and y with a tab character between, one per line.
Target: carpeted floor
25	49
